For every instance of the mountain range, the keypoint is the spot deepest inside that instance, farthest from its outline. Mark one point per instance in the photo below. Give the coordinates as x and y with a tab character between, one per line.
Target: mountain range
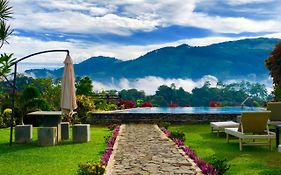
241	59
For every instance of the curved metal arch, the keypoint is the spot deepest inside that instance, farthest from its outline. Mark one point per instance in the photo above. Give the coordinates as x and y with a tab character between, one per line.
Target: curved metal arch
14	84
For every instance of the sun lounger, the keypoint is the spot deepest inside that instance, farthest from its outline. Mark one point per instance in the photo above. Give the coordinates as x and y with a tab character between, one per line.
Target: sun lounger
220	126
275	108
253	126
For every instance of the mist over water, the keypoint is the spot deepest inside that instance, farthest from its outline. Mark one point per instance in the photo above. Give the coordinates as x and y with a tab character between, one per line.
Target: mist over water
150	84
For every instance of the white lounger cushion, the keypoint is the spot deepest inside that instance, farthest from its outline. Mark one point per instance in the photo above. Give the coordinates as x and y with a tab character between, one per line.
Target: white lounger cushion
222	125
236	133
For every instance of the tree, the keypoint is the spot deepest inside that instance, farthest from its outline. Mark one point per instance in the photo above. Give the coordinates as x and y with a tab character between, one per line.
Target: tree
5	31
84	86
50	91
31	100
167	93
132	94
273	64
5	14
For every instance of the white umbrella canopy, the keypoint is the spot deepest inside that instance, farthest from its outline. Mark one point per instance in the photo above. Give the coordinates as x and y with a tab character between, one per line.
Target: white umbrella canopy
68	96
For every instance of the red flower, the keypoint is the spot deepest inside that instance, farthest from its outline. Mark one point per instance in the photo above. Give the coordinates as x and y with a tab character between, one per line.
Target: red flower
215	104
173	105
127	104
147	104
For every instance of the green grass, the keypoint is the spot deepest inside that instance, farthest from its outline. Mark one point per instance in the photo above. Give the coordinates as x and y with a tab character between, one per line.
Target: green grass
251	161
60	159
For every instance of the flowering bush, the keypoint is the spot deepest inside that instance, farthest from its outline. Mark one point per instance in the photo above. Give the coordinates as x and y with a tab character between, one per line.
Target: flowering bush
126	104
84	105
205	167
112	126
178	135
91	168
173	105
147	104
110	143
5	118
215	104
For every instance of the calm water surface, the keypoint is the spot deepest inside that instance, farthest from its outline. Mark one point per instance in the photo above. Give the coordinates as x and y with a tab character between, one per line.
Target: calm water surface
193	110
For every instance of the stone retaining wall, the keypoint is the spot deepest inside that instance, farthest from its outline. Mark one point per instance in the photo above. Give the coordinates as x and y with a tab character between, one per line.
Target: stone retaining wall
118	118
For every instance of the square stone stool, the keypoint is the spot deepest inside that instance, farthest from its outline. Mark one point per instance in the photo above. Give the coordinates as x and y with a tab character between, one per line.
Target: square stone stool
23	133
47	136
220	126
279	148
64	130
81	133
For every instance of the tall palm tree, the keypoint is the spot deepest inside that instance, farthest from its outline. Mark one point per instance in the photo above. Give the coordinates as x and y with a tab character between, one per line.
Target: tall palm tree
5	14
5	31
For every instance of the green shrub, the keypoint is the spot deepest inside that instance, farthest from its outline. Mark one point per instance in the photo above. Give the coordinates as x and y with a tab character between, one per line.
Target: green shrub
221	165
165	125
139	102
104	106
1	121
90	168
112	126
85	104
277	92
5	118
178	135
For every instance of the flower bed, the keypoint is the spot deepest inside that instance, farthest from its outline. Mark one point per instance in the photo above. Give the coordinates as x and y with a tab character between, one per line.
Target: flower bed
110	143
93	168
205	167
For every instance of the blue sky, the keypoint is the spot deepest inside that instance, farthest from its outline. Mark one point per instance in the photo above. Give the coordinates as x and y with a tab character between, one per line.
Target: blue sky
127	29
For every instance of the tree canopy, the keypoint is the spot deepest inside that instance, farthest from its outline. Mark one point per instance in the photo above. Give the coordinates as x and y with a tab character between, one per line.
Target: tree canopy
84	86
273	64
5	31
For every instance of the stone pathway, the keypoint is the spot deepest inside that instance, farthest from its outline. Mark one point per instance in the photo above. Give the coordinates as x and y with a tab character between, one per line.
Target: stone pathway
144	149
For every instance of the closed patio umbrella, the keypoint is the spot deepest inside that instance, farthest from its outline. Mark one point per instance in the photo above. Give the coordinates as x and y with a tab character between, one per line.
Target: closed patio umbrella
68	97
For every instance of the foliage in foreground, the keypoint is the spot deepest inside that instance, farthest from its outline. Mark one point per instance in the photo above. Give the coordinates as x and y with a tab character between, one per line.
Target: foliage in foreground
251	161
205	167
214	167
93	168
90	168
220	164
62	159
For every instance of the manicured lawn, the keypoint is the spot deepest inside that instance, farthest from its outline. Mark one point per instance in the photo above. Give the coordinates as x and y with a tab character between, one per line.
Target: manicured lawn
61	159
251	161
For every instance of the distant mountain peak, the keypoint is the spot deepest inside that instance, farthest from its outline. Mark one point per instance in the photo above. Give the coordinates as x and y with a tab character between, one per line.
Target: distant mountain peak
227	60
184	46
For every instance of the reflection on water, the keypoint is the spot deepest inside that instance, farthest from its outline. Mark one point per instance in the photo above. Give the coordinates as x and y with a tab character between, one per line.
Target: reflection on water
191	110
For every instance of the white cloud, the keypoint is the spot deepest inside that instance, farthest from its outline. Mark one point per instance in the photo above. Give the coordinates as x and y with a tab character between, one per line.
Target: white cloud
150	84
126	17
243	2
81	51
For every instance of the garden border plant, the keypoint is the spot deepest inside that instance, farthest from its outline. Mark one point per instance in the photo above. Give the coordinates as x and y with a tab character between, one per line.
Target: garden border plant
94	168
205	167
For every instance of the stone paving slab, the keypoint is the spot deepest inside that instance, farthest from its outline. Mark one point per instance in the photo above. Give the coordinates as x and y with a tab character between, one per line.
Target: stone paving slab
144	149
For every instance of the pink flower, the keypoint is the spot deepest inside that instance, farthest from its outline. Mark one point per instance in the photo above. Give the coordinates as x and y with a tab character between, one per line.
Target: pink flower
204	166
110	143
